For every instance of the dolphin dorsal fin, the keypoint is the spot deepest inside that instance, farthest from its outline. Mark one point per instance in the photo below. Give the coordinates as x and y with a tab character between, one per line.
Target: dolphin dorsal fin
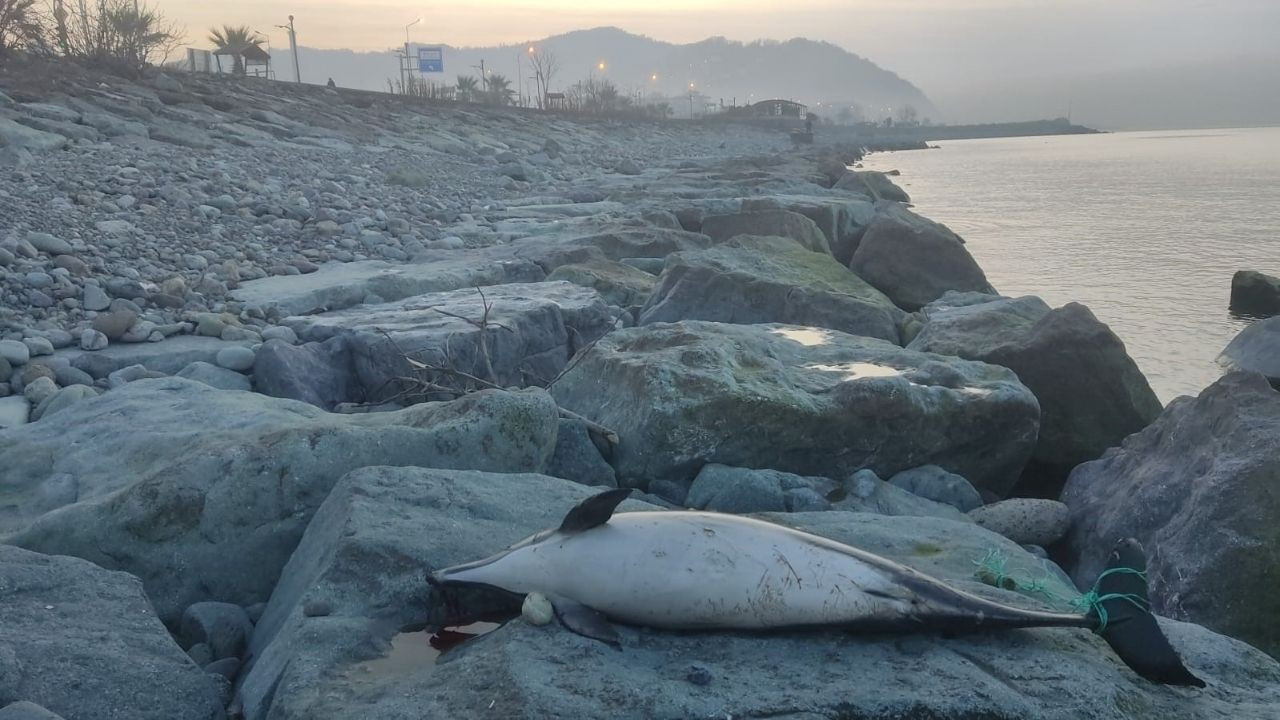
594	511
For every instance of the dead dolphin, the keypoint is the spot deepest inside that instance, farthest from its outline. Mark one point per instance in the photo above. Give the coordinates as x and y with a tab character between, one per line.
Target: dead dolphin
700	571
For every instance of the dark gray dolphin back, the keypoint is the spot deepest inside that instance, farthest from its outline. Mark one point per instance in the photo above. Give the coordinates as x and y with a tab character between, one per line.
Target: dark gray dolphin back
1130	628
594	511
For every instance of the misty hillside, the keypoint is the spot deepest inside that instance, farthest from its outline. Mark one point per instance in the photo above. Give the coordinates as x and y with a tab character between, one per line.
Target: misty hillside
799	69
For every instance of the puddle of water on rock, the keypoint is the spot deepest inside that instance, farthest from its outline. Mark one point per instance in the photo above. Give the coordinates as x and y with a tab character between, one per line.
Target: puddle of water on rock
415	653
809	337
858	371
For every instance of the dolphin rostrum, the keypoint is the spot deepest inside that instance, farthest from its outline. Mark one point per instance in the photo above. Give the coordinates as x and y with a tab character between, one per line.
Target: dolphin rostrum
685	570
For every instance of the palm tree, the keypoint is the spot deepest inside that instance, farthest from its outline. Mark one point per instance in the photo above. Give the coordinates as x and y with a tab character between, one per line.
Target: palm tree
234	40
499	88
467	87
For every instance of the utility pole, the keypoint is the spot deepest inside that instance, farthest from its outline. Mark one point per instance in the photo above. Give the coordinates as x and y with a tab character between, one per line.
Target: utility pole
484	83
293	48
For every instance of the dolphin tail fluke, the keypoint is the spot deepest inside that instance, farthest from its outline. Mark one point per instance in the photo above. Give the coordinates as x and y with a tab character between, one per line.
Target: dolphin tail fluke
1120	606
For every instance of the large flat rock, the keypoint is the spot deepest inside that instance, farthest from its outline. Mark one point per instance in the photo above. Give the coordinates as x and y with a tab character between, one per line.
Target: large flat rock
86	644
801	400
337	285
383	529
752	279
510	335
366	556
204	493
167	356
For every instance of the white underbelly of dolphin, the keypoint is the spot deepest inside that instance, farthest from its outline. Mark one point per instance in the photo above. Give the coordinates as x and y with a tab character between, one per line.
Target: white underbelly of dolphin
699	570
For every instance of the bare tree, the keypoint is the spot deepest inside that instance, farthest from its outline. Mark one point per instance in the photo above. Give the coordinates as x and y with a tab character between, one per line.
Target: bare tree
907	115
545	66
19	25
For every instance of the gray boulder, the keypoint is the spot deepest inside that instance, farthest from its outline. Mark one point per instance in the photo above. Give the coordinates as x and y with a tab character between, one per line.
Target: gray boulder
752	279
382	530
608	243
843	220
934	483
970	324
1198	489
800	400
577	457
214	376
618	284
914	260
358	573
201	480
320	373
224	628
1255	349
84	643
507	335
1254	293
740	490
20	137
865	492
776	223
24	710
1092	394
875	185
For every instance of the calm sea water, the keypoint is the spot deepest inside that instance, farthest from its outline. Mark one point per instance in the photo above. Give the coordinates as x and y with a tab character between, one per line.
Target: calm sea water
1146	228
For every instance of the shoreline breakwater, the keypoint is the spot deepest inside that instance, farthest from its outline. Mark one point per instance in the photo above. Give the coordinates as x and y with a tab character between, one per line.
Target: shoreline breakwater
271	355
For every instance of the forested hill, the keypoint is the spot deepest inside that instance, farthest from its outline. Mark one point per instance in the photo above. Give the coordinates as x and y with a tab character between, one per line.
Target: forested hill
799	69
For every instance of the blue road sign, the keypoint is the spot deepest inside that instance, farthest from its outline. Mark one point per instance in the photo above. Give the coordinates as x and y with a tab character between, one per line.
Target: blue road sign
431	59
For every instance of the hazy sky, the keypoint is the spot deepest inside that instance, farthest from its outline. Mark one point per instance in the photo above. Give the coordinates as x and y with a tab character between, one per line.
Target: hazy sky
941	45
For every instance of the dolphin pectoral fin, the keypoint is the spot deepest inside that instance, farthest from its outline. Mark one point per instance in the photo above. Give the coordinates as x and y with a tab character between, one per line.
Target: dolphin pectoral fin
594	511
585	621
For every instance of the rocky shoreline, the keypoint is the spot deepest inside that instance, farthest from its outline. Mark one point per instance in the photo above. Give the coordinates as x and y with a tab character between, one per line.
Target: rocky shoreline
269	355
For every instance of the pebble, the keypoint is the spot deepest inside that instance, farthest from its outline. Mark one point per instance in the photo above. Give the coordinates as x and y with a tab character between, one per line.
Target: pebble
92	339
15	352
49	244
39	389
115	323
537	609
95	298
38	280
38	346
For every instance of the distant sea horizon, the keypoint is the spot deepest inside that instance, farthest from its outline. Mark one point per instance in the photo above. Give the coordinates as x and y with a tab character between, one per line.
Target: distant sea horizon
1144	227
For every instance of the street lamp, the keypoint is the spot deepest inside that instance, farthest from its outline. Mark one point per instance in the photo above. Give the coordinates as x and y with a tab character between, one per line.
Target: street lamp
404	64
293	48
600	66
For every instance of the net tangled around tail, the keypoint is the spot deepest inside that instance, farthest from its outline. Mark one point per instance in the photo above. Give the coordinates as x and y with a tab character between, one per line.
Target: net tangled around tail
992	570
